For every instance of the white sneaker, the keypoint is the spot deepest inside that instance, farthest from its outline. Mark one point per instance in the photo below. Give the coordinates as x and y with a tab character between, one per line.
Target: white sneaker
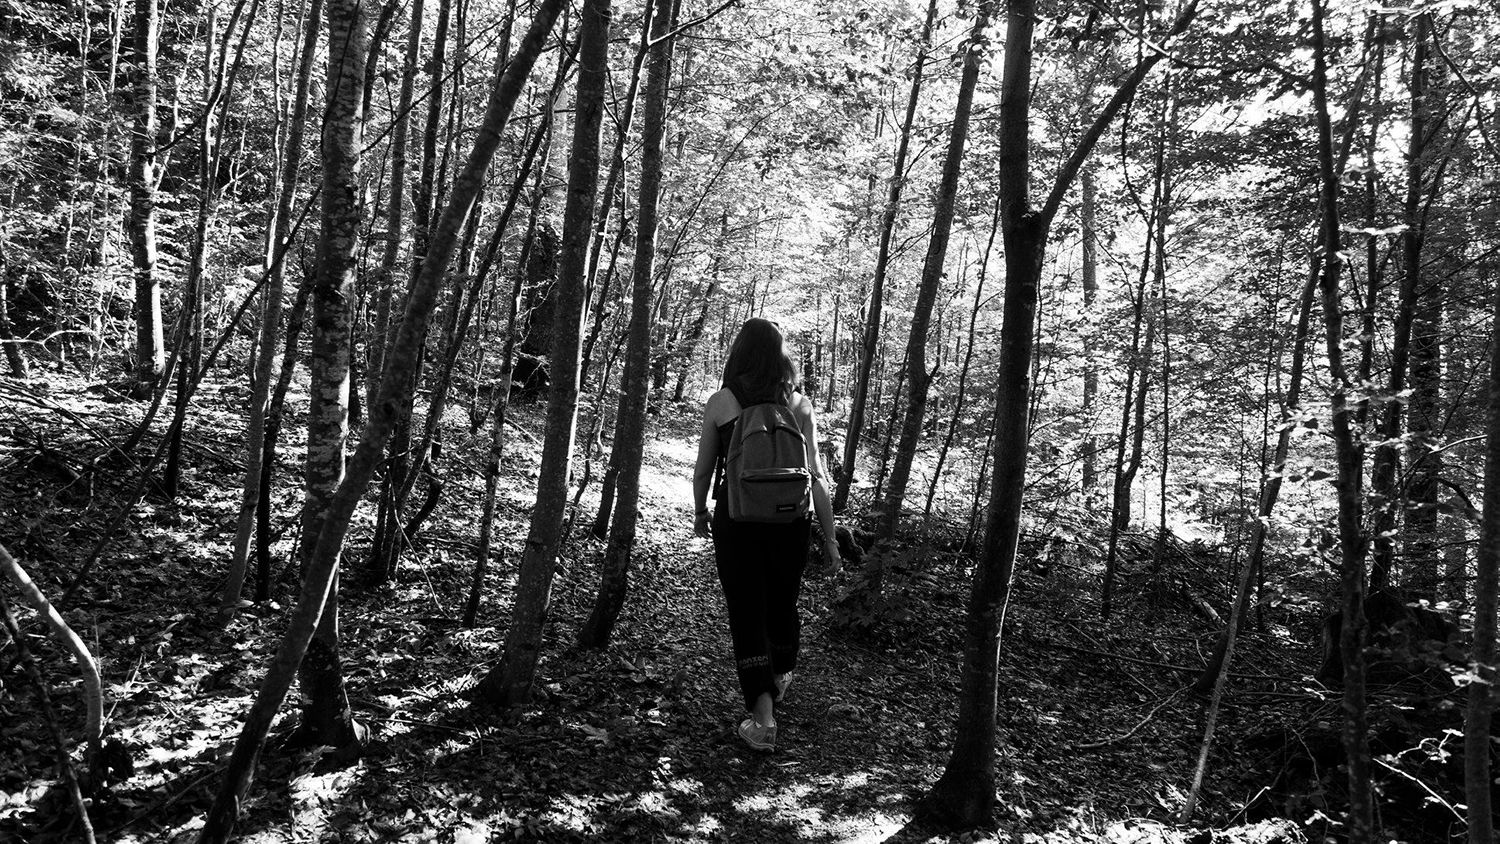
761	737
782	682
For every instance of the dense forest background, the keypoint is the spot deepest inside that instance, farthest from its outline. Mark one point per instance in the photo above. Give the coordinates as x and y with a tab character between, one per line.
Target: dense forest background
357	348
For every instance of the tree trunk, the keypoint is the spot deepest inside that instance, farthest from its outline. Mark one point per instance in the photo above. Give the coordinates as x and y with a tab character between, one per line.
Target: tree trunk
1270	490
1350	455
1088	214
270	324
963	371
630	420
509	683
326	717
918	378
964	796
1126	465
871	344
14	357
542	146
398	380
1477	742
150	346
1424	412
395	206
1386	496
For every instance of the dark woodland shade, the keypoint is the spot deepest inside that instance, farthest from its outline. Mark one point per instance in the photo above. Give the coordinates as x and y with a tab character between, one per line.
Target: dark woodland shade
758	362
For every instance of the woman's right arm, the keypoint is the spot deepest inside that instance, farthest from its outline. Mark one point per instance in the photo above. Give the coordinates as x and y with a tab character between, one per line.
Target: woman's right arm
703	473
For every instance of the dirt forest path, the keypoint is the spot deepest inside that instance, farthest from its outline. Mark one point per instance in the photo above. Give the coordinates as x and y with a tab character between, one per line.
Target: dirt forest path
632	743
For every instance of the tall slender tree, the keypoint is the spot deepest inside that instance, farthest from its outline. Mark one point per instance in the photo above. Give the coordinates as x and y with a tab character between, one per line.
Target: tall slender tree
1349	451
150	346
871	341
326	717
934	269
630	419
398	379
964	796
509	682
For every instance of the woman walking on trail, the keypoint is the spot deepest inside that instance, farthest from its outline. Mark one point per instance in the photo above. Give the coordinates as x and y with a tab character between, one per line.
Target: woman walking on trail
760	564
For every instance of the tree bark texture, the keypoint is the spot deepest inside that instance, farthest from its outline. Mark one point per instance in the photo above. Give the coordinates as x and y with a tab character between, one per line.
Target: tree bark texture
398	380
509	683
326	717
630	420
150	346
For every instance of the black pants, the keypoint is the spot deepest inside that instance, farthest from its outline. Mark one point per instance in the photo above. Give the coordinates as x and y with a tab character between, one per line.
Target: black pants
760	567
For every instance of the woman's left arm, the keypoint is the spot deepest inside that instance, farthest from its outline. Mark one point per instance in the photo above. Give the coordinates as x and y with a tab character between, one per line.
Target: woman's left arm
822	504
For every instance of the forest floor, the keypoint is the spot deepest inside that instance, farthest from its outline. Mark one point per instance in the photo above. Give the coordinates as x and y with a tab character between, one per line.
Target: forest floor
1098	732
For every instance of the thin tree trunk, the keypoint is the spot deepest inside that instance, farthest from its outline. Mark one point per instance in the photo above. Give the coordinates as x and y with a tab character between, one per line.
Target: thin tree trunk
918	378
398	380
1270	490
871	344
270	325
400	475
1421	559
542	146
1126	465
395	206
1350	456
1384	492
274	412
509	683
964	796
1478	744
326	716
630	420
150	346
13	354
963	371
1088	214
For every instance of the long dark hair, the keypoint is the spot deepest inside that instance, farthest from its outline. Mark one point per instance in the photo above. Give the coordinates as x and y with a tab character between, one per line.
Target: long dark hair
759	364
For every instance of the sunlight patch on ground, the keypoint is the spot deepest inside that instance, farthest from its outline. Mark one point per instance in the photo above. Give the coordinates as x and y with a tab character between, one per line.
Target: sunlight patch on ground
869	829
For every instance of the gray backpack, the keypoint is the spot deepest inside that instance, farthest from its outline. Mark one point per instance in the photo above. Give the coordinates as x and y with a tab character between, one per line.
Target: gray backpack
765	467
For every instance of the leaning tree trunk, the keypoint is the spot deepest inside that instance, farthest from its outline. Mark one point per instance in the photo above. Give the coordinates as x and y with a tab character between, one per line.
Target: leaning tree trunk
398	380
509	683
395	209
630	420
871	342
1350	457
390	539
918	378
964	796
270	325
1269	493
150	345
